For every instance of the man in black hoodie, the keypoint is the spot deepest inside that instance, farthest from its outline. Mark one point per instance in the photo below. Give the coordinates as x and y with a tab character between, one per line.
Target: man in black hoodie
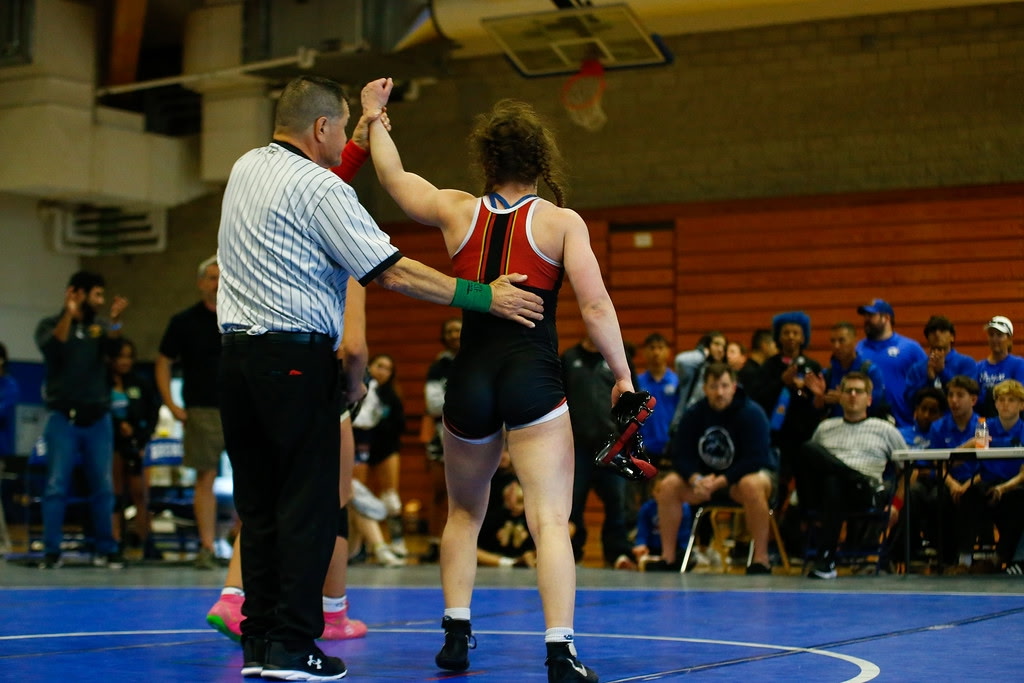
721	454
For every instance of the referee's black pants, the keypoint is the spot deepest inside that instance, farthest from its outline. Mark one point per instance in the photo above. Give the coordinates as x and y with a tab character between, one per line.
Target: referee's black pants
280	401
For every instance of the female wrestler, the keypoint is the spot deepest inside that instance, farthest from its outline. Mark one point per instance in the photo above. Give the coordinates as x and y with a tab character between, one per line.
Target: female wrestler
505	374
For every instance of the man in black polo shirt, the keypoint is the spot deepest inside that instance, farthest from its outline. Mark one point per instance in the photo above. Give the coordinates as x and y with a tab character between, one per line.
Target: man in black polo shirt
75	344
193	338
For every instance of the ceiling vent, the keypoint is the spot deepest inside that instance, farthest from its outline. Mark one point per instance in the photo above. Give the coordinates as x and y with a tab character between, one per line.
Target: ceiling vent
89	230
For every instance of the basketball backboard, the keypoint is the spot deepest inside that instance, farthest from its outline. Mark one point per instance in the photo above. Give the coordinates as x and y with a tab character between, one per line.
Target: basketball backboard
557	42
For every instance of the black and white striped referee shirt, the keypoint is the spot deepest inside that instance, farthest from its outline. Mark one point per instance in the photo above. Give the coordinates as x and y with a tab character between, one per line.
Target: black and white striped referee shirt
290	234
865	446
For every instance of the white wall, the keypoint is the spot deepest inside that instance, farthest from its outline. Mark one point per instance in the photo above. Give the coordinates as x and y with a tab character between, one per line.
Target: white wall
32	275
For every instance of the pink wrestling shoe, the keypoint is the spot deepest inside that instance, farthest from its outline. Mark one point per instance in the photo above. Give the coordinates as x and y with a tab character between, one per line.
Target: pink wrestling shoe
226	616
337	626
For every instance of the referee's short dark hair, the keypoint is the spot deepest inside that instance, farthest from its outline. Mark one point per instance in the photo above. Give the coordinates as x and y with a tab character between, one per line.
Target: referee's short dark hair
307	98
86	281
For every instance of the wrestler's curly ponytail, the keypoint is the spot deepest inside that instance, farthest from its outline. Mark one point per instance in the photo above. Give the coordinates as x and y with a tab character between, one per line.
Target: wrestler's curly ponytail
511	143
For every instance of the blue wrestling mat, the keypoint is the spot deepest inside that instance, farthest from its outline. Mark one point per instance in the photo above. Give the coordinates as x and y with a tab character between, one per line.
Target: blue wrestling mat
159	634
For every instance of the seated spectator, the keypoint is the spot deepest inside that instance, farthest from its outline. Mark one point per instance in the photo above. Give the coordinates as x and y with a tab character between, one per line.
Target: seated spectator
505	539
840	470
845	358
721	454
1002	480
647	546
943	363
929	405
1000	365
956	534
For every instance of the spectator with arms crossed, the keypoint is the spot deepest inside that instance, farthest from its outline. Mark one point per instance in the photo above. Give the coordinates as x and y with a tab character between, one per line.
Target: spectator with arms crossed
840	470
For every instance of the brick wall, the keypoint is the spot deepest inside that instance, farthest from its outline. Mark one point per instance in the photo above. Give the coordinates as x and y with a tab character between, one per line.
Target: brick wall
920	100
927	99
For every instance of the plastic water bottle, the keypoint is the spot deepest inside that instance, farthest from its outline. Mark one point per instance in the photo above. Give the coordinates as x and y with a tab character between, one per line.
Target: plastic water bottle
981	434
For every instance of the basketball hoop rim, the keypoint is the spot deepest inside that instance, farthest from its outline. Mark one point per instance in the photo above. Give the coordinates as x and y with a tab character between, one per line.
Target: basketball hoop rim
590	69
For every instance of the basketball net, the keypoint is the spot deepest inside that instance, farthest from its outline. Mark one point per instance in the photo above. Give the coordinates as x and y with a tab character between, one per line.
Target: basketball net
581	96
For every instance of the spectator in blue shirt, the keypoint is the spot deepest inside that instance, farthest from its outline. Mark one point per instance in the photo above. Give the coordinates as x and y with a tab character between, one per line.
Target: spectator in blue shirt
892	352
956	430
647	546
943	363
929	405
663	384
845	359
1002	480
1000	365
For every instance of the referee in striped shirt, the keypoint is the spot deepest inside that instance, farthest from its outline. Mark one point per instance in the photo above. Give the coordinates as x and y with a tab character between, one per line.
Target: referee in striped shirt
291	233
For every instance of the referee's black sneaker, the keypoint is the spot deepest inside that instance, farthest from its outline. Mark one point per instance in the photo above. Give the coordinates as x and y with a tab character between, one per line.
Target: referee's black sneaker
563	668
308	664
458	641
254	653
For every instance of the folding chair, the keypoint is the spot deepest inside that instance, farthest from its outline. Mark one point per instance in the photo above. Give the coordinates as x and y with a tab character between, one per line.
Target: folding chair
721	535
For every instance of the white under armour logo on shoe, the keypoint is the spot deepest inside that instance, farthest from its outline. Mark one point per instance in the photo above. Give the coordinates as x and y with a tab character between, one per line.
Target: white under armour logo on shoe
313	662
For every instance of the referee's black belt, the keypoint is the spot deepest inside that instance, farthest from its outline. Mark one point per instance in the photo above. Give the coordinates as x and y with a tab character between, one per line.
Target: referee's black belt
296	338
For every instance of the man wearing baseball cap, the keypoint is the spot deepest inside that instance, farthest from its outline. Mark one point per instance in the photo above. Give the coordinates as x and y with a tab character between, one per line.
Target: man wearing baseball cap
1000	365
892	352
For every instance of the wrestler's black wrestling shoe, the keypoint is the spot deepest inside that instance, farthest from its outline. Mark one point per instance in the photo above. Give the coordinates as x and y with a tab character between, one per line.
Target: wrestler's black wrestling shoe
458	641
565	668
625	450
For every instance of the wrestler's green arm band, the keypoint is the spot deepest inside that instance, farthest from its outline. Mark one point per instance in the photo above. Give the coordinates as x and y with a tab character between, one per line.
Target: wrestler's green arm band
472	296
